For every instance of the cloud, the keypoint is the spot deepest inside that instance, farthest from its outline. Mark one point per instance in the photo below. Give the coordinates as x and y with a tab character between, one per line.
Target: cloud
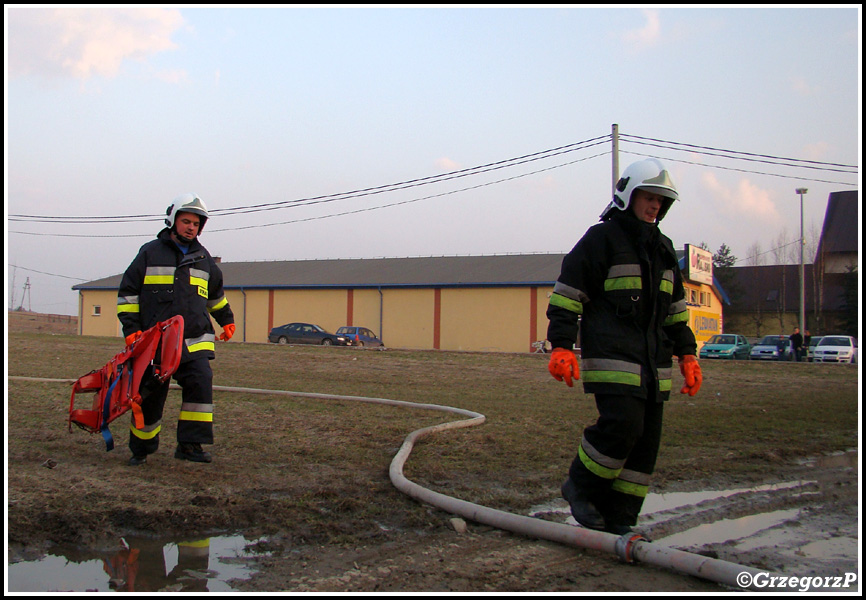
817	151
745	201
84	42
648	35
446	164
802	87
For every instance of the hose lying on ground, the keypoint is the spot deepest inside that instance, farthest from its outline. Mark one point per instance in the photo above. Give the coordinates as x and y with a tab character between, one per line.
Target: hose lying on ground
629	548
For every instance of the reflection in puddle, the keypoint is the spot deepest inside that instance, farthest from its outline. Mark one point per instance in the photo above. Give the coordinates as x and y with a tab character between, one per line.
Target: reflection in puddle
660	502
727	530
139	565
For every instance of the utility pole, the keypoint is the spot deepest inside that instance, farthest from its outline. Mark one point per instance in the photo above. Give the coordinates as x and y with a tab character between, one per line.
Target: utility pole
614	138
12	289
26	295
802	191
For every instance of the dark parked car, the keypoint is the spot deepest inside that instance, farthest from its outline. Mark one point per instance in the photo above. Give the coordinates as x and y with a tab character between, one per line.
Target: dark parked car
726	345
304	333
810	351
772	347
359	336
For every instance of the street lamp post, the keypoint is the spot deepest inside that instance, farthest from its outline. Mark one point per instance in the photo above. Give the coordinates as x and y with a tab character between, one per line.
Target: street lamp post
802	191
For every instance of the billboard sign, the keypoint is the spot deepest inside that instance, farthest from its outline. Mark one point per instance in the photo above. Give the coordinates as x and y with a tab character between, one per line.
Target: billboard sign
699	265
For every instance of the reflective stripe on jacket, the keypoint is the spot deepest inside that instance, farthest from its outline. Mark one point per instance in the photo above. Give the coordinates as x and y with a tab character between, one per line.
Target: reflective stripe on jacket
162	282
622	290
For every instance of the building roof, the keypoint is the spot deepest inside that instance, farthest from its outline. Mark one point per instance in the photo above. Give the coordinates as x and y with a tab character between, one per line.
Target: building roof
507	270
841	220
500	270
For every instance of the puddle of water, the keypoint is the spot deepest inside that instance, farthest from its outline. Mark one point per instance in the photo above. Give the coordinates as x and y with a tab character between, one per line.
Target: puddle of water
727	530
839	547
143	565
833	460
656	503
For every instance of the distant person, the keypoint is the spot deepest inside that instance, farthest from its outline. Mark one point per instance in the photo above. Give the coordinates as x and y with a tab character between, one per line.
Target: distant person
782	344
796	340
175	275
622	290
807	340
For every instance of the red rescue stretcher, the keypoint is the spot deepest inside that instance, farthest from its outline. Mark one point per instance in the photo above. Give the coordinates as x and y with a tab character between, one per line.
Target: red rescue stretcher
117	385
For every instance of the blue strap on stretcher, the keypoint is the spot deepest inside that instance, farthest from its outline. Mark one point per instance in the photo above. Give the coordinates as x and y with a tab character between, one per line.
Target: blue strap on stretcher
106	404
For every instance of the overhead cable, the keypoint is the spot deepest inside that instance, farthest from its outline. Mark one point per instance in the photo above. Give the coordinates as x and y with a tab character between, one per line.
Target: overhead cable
767	156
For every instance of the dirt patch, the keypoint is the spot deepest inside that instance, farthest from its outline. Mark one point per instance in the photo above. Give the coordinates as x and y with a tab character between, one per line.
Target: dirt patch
306	481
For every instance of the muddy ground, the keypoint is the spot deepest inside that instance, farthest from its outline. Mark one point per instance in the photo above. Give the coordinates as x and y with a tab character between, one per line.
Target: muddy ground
306	481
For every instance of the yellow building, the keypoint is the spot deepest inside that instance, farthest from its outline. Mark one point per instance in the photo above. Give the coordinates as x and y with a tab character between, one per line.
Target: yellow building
472	303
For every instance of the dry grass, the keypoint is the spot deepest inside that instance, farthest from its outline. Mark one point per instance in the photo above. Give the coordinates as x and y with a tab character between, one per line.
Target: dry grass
292	465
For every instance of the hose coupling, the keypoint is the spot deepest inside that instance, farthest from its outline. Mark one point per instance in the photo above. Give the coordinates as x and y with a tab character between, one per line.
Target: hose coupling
624	546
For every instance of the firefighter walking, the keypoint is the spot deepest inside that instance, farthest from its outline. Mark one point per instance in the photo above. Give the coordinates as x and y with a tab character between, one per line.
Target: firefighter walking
175	275
621	291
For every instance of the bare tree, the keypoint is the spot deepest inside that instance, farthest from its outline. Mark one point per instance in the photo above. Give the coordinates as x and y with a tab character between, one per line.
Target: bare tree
754	255
781	252
755	258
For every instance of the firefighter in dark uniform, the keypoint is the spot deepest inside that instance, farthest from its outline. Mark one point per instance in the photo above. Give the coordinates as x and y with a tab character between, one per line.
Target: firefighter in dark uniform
621	290
175	275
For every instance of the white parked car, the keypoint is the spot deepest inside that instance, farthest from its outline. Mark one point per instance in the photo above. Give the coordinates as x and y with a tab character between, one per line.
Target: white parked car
836	348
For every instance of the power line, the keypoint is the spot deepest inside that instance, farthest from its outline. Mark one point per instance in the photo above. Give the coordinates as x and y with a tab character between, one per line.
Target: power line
486	168
691	162
511	162
49	274
340	214
774	158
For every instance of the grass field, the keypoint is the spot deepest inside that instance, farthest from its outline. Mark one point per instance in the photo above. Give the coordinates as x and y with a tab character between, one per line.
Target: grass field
747	419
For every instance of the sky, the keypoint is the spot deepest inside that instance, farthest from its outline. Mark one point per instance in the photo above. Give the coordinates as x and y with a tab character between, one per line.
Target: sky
113	112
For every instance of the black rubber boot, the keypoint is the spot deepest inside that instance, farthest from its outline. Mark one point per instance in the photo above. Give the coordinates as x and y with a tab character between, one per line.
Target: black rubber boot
583	511
192	452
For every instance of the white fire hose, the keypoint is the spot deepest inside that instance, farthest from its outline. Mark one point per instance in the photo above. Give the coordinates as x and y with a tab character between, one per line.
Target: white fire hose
629	548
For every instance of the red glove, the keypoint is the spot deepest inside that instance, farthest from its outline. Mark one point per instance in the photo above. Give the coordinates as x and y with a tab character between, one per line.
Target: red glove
132	338
691	370
228	332
563	366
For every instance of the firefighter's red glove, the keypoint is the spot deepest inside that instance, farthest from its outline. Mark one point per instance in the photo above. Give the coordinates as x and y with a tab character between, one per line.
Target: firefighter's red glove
132	338
228	332
691	370
563	366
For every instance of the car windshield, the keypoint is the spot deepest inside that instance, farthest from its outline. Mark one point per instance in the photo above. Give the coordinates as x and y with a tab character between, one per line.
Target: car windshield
769	340
346	330
722	339
835	341
317	328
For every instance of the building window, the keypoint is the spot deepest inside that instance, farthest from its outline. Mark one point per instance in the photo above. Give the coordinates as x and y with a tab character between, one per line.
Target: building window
97	310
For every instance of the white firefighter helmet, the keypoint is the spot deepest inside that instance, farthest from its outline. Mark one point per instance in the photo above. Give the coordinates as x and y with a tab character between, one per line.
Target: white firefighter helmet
649	175
190	203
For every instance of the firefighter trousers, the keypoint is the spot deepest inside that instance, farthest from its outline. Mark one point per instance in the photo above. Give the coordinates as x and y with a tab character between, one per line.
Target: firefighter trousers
617	456
195	424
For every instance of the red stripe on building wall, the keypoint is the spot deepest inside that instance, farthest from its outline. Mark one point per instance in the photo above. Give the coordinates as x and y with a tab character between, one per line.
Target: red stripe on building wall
533	316
350	306
270	310
437	316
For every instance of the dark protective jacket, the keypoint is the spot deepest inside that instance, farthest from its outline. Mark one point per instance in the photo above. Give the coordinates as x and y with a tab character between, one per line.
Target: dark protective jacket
621	289
162	282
